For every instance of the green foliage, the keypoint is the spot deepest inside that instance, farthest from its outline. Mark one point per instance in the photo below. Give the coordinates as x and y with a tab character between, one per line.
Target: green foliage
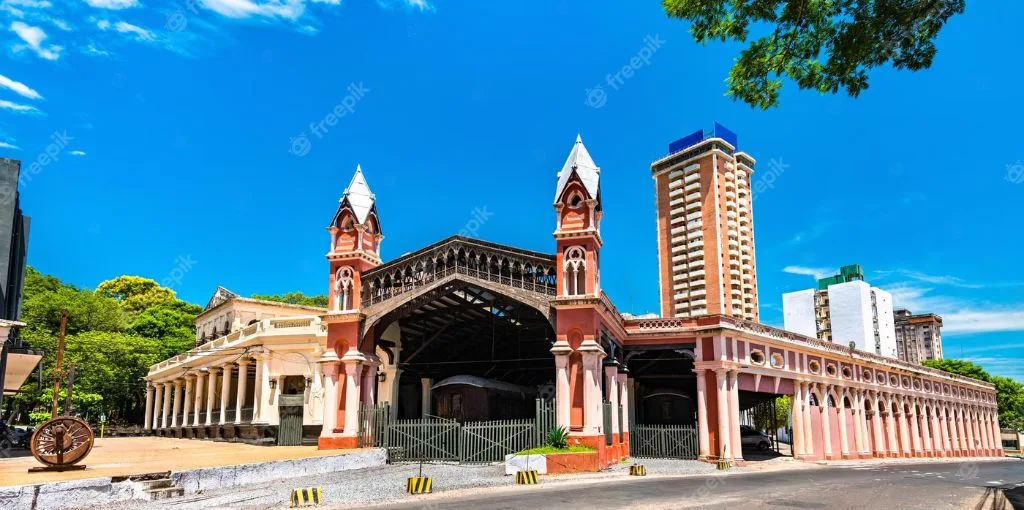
1009	393
765	420
38	417
295	298
551	450
558	437
826	46
961	367
114	335
135	292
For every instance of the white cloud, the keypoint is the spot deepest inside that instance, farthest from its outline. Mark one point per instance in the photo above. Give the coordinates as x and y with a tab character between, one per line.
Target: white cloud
17	107
95	51
422	5
19	88
31	4
1006	367
240	9
959	316
34	37
816	272
77	153
141	34
112	4
5	145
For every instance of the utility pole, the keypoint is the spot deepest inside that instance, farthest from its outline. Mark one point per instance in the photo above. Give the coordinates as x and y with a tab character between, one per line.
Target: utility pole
59	371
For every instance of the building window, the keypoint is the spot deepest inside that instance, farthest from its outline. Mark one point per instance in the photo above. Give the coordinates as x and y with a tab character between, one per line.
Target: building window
575	271
343	284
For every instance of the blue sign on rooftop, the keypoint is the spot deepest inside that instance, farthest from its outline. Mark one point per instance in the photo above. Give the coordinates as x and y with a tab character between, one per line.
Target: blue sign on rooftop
719	131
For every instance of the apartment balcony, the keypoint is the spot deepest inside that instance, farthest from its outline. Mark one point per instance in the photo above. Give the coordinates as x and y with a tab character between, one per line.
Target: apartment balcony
692	175
730	214
693	196
682	295
693	216
729	194
675	183
729	175
693	186
696	243
674	192
696	274
734	273
695	254
699	303
748	287
692	225
732	224
693	206
744	228
698	311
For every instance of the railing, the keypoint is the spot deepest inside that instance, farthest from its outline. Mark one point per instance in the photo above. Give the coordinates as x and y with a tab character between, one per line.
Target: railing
373	295
267	326
663	441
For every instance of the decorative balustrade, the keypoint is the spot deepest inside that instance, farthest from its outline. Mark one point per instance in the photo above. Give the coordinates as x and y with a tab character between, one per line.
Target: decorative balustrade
519	269
286	325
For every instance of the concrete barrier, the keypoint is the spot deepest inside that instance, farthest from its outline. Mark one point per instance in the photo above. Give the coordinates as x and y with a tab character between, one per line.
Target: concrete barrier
100	491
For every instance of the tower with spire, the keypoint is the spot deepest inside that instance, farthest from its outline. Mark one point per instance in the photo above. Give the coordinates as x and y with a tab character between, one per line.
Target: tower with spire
355	242
578	223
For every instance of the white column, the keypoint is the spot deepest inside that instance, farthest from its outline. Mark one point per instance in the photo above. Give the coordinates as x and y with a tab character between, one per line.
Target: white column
425	398
388	391
703	434
826	423
197	394
262	389
189	400
611	380
165	409
177	403
925	425
225	389
722	381
858	421
241	391
796	406
844	447
369	384
332	398
148	419
353	371
563	394
211	394
158	411
808	428
625	402
997	432
592	412
735	441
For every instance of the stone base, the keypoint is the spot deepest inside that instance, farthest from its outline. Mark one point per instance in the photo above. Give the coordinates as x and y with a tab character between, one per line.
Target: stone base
587	462
337	442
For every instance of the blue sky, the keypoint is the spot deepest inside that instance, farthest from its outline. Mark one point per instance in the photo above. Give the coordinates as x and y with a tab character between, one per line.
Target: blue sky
182	131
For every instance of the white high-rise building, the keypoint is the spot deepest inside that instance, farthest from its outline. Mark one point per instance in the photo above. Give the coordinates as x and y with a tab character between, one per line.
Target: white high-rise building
843	310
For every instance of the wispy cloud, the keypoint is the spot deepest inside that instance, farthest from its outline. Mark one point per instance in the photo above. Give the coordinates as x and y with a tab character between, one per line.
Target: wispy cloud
139	33
816	272
945	280
5	145
77	153
19	88
17	107
112	4
240	9
92	49
33	38
959	315
1006	367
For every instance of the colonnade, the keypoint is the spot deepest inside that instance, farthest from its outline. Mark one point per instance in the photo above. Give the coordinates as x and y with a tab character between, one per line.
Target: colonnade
887	424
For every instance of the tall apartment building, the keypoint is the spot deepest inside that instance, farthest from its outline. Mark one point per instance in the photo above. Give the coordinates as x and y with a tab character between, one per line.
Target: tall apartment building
17	360
706	227
918	337
844	309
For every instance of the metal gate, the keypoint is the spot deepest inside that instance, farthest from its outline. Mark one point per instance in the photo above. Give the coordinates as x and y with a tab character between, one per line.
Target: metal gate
290	410
663	441
439	439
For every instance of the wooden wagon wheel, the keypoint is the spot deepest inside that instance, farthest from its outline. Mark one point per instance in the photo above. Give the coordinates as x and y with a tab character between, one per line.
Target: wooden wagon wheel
62	441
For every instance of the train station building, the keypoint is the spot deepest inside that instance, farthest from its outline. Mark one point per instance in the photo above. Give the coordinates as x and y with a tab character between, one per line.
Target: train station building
469	330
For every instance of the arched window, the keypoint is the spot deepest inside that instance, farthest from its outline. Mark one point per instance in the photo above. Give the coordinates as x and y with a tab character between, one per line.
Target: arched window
575	200
343	284
575	269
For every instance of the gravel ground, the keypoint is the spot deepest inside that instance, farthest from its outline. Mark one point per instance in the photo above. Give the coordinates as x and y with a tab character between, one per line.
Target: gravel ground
387	484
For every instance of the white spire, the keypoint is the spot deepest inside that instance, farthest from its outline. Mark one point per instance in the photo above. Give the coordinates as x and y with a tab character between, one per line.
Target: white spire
359	195
588	171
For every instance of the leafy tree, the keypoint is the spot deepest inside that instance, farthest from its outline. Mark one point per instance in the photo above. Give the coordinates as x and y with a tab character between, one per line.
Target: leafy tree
135	292
171	322
295	298
1009	393
826	46
86	311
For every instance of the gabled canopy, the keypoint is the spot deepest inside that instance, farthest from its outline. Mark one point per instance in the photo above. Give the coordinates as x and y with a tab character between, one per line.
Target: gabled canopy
582	165
220	296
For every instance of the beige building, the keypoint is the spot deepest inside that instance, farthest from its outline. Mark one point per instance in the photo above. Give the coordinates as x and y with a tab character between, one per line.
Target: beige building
706	227
918	337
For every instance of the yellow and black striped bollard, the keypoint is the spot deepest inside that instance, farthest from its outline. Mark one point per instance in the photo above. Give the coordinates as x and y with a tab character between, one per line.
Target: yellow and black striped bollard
637	470
307	497
526	477
418	485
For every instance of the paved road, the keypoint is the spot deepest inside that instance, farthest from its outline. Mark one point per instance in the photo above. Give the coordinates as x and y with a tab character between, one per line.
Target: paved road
927	486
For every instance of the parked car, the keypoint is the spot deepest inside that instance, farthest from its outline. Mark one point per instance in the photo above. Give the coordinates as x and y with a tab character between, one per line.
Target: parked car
750	436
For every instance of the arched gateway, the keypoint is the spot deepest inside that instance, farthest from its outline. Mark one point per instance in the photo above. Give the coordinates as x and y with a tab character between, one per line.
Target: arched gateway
468	330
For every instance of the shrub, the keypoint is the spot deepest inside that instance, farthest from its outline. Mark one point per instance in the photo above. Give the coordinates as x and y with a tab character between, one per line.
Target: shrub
558	437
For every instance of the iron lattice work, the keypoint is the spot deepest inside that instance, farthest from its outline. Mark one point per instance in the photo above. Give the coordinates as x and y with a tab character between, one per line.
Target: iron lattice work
470	258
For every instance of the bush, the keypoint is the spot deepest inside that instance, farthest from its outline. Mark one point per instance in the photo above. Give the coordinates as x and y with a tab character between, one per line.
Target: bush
38	417
558	437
